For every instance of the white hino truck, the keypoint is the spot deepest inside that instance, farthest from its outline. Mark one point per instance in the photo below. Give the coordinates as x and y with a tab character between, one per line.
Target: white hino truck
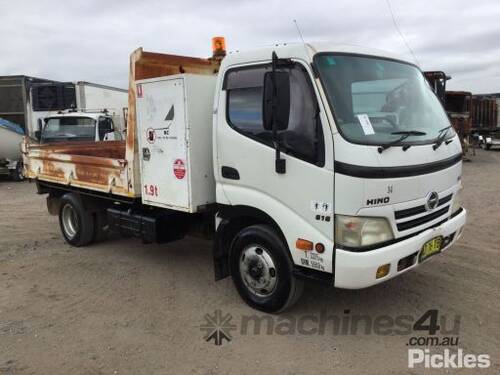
319	162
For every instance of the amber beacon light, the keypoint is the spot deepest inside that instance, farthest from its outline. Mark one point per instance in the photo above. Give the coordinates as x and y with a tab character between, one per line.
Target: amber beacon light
218	46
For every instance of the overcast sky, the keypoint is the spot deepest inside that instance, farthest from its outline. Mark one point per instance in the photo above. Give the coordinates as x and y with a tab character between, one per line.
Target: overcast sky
91	40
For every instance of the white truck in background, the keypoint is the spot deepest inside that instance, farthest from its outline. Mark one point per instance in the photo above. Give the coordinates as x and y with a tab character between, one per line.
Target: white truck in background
48	99
75	125
302	162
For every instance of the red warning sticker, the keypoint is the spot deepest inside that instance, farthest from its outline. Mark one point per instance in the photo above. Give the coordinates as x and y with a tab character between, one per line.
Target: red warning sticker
179	169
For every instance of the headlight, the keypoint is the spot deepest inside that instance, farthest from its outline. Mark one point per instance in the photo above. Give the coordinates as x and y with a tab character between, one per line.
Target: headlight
356	231
457	202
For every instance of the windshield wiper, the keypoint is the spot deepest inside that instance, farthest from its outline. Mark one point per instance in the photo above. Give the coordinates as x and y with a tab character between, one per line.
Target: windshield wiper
440	138
404	134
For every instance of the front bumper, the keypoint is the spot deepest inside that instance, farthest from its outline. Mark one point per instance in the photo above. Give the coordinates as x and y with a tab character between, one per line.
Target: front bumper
357	270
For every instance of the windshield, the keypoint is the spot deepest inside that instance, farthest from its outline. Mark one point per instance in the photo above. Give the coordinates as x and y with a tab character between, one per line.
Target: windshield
65	128
375	100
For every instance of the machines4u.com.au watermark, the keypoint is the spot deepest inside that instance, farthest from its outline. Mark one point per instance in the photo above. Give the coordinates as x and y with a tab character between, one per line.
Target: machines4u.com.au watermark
439	348
433	339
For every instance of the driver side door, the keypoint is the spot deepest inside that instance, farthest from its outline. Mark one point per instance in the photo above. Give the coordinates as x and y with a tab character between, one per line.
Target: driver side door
300	200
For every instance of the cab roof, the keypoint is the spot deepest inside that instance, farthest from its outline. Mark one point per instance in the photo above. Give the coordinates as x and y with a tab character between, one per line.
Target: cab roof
94	115
304	52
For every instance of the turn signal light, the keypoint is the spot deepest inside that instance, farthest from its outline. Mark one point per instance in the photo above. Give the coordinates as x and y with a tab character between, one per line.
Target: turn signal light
302	244
383	270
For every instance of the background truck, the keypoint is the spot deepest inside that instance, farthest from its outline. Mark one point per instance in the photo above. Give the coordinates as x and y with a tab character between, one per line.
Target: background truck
485	120
79	126
240	149
48	99
484	113
15	103
11	136
26	101
458	106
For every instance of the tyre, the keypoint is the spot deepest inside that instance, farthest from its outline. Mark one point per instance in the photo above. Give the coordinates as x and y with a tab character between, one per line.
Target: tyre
17	173
77	224
487	146
262	270
100	227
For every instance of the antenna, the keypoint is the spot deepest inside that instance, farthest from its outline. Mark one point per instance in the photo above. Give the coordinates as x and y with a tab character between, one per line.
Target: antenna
400	33
298	30
301	38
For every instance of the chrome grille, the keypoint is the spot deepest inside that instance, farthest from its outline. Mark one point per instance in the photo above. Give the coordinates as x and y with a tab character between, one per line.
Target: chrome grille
405	219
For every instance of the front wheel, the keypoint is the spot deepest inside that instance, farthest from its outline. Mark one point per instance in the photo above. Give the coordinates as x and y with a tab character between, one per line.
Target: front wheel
262	271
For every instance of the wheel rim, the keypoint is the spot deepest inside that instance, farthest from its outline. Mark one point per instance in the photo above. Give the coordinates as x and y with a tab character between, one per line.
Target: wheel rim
258	271
69	221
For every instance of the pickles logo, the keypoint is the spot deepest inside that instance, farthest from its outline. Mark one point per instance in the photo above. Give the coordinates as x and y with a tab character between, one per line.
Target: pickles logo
439	337
218	327
449	359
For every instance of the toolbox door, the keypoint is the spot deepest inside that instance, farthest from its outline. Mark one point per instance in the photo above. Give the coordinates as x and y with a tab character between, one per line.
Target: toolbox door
162	143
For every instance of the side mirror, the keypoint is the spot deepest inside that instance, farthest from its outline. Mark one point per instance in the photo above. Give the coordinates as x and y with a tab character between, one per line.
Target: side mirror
38	131
276	100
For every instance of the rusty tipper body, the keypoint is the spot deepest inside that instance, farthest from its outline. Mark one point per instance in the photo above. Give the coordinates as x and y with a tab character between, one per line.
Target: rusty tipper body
108	167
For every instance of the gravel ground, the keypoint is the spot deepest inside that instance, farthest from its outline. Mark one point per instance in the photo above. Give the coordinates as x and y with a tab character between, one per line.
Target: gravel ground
122	307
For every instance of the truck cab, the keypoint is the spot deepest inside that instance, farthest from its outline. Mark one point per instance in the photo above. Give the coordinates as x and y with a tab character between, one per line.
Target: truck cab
370	172
77	126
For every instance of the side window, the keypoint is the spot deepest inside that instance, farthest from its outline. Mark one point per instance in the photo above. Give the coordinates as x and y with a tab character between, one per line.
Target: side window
244	104
303	138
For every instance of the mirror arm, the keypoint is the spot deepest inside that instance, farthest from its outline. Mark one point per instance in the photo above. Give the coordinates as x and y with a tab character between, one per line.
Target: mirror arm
280	164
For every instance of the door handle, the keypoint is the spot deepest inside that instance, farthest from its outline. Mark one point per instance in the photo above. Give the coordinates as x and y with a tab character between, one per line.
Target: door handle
230	173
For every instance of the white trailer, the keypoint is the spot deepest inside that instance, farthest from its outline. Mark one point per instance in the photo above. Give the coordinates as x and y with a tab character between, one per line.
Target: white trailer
302	162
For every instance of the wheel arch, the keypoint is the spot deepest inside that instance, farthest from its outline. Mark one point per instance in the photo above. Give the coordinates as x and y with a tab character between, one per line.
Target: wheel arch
232	220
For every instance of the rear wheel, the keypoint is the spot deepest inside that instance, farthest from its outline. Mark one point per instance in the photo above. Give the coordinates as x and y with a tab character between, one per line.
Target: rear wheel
262	270
77	224
17	173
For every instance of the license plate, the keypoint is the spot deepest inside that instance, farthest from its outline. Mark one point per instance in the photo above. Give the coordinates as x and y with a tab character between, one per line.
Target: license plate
431	248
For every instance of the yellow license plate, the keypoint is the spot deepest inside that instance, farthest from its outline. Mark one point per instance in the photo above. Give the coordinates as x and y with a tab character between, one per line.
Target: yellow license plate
431	248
